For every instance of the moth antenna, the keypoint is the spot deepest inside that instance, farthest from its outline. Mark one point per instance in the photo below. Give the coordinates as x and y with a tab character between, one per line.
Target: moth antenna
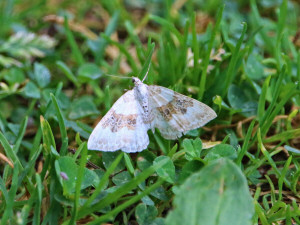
147	72
122	77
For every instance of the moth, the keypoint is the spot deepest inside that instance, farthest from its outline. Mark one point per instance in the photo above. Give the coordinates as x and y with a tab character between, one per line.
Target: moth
145	107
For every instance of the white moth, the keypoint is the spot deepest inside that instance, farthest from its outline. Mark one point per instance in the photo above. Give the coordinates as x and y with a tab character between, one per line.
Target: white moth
146	107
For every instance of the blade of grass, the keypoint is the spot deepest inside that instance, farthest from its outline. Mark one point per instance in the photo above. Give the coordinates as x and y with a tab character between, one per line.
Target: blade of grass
9	151
262	100
31	163
298	69
282	176
139	47
8	212
74	47
269	158
283	136
261	214
4	192
111	27
245	144
128	164
169	26
233	61
273	197
48	141
280	28
161	144
195	48
279	106
62	127
124	51
48	138
66	70
147	63
79	180
268	43
27	208
202	84
275	92
38	200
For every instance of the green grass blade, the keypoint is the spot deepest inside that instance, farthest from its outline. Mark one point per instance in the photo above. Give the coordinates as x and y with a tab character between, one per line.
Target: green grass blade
128	163
280	28
124	51
283	136
30	165
282	176
8	213
147	64
276	110
139	46
262	100
275	93
74	47
62	127
111	27
195	48
79	180
207	56
270	160
9	151
38	201
4	192
66	70
233	61
48	137
245	144
20	135
169	26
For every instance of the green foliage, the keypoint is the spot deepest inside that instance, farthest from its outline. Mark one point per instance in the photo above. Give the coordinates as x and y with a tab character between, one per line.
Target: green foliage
218	194
241	58
24	45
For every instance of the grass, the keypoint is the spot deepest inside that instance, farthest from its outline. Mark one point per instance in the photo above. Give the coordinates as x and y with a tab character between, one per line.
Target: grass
241	58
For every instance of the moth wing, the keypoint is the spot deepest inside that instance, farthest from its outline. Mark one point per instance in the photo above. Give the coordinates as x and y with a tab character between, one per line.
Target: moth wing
176	113
122	128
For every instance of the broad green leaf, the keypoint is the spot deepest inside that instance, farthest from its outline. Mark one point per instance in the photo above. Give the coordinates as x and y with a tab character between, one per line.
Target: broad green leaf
88	72
31	90
192	148
167	171
239	100
254	69
146	215
121	178
109	157
160	193
145	159
67	173
41	75
216	195
83	107
221	150
14	75
188	169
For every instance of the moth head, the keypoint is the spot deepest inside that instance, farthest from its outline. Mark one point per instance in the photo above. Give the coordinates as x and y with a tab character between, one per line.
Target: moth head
136	81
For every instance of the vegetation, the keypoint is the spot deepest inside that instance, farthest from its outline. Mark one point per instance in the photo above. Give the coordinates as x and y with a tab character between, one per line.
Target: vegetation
241	58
